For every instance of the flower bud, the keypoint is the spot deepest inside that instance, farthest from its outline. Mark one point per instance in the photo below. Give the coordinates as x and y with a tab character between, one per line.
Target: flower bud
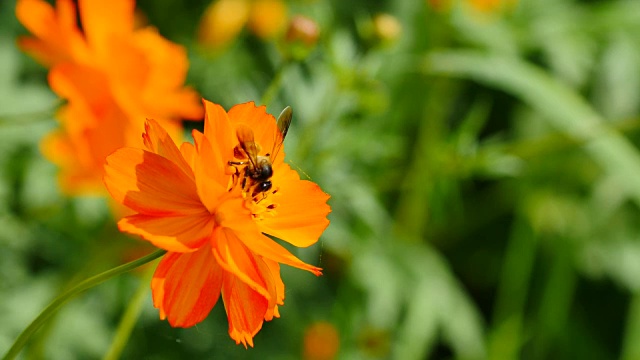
302	29
387	28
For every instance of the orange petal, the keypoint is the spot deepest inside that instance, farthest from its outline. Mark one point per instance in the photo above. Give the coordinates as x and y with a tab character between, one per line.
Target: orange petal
211	180
186	286
86	87
263	124
158	141
150	184
166	60
232	214
274	270
245	309
234	257
103	20
219	130
36	15
189	153
181	103
197	137
174	233
301	212
166	64
263	246
57	37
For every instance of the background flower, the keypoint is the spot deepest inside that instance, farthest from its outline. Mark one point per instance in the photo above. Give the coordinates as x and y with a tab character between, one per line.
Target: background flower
224	19
112	75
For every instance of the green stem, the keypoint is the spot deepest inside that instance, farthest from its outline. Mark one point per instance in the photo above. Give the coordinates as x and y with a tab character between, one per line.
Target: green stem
507	337
129	318
274	86
631	338
70	294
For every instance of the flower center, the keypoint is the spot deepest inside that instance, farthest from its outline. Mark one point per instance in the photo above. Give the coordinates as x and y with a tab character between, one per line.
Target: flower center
251	173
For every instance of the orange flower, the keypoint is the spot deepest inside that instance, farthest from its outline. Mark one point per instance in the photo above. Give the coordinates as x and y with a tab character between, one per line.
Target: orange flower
321	341
111	74
196	203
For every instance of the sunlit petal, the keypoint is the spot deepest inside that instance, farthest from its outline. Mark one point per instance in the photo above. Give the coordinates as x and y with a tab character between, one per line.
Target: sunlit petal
245	309
150	184
300	228
176	233
235	258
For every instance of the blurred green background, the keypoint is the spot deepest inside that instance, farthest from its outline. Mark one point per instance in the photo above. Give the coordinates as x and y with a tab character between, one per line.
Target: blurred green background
483	165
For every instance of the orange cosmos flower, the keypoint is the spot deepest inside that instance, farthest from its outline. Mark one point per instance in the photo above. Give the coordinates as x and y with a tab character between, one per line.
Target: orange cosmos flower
111	74
201	204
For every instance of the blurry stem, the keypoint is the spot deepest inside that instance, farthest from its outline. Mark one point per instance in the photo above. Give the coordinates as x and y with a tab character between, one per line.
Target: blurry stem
507	337
556	300
631	341
274	85
412	212
70	294
130	317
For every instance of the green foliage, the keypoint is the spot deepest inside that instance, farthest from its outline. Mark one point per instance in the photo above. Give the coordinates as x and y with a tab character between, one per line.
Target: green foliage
484	171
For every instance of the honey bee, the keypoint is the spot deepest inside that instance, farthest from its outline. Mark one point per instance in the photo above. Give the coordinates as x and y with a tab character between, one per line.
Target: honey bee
258	169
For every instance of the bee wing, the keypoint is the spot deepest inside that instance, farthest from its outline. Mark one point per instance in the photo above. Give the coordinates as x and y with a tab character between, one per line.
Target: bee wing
247	143
284	121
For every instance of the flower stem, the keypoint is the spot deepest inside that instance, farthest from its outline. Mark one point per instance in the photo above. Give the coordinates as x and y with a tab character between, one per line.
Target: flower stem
130	317
274	85
70	294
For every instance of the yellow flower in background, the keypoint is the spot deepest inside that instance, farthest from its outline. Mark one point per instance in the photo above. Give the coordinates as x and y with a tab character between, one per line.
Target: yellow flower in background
489	6
483	6
112	75
224	19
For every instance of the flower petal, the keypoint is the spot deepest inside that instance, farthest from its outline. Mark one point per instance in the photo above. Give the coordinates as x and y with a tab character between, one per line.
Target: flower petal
235	258
245	309
186	286
150	184
167	65
218	129
157	140
103	20
274	270
301	209
211	180
263	246
189	153
175	233
263	125
57	37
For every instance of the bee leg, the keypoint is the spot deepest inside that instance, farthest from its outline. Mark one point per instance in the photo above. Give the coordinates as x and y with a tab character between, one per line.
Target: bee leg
236	163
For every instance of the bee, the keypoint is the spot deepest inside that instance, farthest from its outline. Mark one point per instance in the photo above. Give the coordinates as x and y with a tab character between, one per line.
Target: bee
258	169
